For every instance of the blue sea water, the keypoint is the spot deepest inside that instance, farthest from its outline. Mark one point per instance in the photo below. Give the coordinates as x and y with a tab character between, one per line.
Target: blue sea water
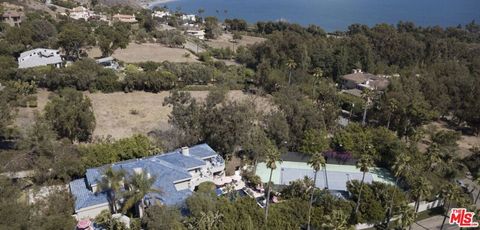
334	15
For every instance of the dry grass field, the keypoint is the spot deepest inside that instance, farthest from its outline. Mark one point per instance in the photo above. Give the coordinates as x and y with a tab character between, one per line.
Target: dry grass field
135	53
224	41
120	115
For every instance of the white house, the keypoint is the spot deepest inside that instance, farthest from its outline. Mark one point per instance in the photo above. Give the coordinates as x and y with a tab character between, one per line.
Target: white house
200	34
160	14
40	57
189	17
80	13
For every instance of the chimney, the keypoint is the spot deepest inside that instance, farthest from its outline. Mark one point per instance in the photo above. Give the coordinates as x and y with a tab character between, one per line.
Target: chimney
185	151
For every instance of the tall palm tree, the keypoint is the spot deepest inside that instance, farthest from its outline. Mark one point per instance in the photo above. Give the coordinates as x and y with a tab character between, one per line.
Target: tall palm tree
392	107
364	163
367	94
433	154
139	185
317	161
291	65
112	182
400	169
317	75
421	189
408	216
272	156
450	193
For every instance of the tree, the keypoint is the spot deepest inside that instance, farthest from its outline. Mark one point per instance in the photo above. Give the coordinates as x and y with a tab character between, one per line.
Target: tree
110	38
363	164
400	168
314	141
367	94
272	157
139	185
111	183
450	193
317	161
72	37
291	65
6	117
421	189
212	28
160	217
407	217
71	115
106	221
317	76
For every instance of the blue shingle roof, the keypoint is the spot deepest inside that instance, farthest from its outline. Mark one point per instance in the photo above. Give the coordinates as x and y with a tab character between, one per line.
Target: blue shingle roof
84	197
202	151
177	159
168	168
336	180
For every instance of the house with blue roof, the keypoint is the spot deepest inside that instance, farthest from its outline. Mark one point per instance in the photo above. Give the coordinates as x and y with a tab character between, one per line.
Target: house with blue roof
177	174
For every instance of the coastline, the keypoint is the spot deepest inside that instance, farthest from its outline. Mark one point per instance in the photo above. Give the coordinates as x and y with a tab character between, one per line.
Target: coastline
148	4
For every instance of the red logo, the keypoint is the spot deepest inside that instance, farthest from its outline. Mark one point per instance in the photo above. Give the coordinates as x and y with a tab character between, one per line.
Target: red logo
462	218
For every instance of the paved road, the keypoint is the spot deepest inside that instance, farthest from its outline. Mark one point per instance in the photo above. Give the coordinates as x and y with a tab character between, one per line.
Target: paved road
432	223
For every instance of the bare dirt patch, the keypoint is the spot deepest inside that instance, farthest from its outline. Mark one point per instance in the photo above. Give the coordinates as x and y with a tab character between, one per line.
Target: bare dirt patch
226	39
135	53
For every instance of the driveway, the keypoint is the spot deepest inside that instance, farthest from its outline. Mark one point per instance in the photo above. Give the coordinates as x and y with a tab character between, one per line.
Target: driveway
431	223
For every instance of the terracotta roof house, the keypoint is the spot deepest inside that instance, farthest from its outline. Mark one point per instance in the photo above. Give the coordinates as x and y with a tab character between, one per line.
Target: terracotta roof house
12	15
124	18
176	174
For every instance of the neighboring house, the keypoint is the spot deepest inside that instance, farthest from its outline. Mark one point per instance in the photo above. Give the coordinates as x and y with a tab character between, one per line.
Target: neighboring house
108	62
124	18
189	17
360	80
40	57
200	34
12	15
161	14
177	174
80	13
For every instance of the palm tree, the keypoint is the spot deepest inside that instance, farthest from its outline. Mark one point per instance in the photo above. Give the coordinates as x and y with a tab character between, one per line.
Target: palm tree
336	220
392	107
400	168
408	216
317	75
363	164
112	182
433	153
450	193
139	185
367	94
291	65
316	162
272	156
421	189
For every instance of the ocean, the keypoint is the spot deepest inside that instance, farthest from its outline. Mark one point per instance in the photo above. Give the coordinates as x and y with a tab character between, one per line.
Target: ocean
334	15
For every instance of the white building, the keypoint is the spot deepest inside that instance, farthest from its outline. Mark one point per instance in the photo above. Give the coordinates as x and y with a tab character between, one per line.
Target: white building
200	34
189	17
80	13
40	57
161	14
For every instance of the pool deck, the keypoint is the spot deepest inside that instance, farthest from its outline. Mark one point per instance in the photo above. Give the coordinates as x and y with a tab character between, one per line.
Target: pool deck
379	174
